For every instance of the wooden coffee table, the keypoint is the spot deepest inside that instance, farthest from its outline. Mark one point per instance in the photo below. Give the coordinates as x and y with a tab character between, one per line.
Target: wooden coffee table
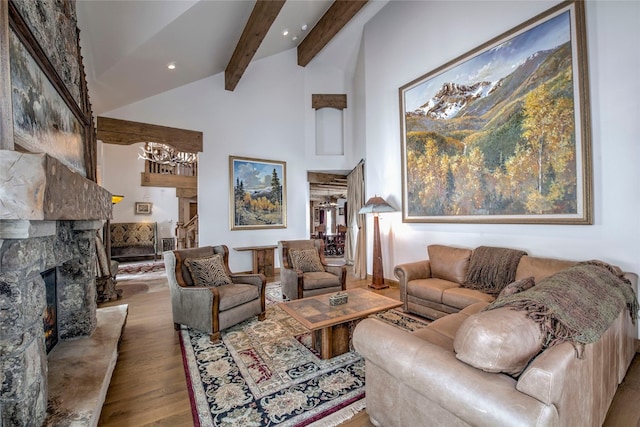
330	326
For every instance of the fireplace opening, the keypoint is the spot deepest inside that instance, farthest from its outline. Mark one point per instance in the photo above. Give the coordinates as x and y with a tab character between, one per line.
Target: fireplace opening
50	319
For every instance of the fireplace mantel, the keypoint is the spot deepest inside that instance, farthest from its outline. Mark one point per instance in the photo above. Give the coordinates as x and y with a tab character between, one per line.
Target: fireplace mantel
39	187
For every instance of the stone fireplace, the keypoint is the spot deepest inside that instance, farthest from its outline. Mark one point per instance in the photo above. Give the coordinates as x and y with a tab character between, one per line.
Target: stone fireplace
50	318
49	217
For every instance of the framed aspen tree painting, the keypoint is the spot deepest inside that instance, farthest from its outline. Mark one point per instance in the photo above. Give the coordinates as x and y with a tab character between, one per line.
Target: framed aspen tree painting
501	134
258	193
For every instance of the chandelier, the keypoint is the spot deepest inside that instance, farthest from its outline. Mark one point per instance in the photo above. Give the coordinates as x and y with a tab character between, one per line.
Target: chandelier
329	203
166	155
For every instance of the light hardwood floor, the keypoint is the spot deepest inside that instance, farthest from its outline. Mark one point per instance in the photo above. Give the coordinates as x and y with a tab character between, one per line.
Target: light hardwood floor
148	386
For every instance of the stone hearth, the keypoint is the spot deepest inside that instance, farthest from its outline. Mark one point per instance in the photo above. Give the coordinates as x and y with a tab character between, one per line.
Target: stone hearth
49	217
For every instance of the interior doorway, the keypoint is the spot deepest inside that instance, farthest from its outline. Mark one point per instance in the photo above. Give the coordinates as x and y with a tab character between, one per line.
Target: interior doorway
328	209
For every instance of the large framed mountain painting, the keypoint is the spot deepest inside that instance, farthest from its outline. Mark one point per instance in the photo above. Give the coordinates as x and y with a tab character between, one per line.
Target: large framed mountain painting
258	195
501	134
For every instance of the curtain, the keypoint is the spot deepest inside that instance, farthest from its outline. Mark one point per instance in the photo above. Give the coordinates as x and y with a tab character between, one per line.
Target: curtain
355	245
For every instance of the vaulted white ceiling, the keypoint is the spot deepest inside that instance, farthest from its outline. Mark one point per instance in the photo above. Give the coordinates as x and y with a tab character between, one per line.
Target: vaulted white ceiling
127	45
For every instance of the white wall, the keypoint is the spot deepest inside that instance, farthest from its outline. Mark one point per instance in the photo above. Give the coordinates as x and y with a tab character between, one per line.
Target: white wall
121	170
408	39
268	116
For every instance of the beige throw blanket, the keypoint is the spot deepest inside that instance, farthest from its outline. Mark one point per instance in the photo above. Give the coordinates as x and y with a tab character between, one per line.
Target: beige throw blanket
491	269
577	304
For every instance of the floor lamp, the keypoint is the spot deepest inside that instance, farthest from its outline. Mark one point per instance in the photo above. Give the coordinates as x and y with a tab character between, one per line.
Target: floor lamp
377	205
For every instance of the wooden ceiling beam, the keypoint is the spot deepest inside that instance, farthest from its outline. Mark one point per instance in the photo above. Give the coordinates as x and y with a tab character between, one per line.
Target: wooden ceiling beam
334	19
338	101
263	14
125	132
324	178
187	193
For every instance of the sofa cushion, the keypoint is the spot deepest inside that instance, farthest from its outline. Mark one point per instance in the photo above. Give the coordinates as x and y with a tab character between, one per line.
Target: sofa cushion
435	336
449	263
319	280
429	289
474	308
540	268
517	286
237	294
442	331
500	340
463	297
208	271
305	260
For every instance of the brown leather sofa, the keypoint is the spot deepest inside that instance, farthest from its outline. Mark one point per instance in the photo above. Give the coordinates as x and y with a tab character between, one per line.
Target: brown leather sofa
432	288
438	376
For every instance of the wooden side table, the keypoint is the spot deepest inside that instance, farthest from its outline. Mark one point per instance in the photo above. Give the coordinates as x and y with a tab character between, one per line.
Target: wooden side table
262	258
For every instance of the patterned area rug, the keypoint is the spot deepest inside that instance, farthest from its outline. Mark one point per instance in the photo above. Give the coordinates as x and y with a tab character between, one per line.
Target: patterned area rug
264	373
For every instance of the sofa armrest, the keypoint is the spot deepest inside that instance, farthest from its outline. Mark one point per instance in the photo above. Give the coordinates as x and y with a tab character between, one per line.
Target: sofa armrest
194	306
411	271
291	280
340	271
335	269
545	378
474	396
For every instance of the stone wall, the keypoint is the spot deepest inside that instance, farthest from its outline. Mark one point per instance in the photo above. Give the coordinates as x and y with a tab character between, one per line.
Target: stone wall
54	25
69	246
49	217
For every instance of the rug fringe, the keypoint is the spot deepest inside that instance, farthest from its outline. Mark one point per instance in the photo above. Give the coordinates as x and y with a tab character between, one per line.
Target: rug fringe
342	415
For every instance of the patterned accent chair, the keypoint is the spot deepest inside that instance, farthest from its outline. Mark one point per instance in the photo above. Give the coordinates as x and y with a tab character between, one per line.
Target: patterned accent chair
318	278
209	307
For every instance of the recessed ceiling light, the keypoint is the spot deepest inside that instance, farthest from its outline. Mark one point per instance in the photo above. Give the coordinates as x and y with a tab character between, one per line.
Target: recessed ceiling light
285	33
171	65
294	38
304	27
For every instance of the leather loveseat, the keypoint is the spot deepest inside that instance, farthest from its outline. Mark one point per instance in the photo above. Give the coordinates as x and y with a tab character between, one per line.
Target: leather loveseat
432	288
481	367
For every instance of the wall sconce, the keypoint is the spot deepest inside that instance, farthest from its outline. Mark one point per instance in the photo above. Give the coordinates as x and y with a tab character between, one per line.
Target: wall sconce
377	205
116	198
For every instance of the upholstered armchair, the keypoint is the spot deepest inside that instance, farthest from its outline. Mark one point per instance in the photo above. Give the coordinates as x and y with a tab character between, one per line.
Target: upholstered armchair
304	271
206	295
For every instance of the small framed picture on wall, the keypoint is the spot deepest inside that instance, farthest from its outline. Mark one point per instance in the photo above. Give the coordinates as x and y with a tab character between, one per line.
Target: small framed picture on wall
143	208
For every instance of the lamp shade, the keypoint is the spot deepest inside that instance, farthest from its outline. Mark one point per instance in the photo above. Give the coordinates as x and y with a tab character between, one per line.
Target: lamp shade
115	198
376	205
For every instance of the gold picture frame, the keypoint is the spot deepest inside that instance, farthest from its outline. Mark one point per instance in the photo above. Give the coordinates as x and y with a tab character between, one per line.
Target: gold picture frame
257	193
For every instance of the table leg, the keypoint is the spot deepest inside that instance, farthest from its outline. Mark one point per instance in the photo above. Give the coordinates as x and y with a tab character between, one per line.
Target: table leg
331	341
263	261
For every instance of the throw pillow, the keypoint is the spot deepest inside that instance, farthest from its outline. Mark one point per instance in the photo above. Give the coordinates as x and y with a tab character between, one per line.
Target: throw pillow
305	260
208	271
517	286
500	340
